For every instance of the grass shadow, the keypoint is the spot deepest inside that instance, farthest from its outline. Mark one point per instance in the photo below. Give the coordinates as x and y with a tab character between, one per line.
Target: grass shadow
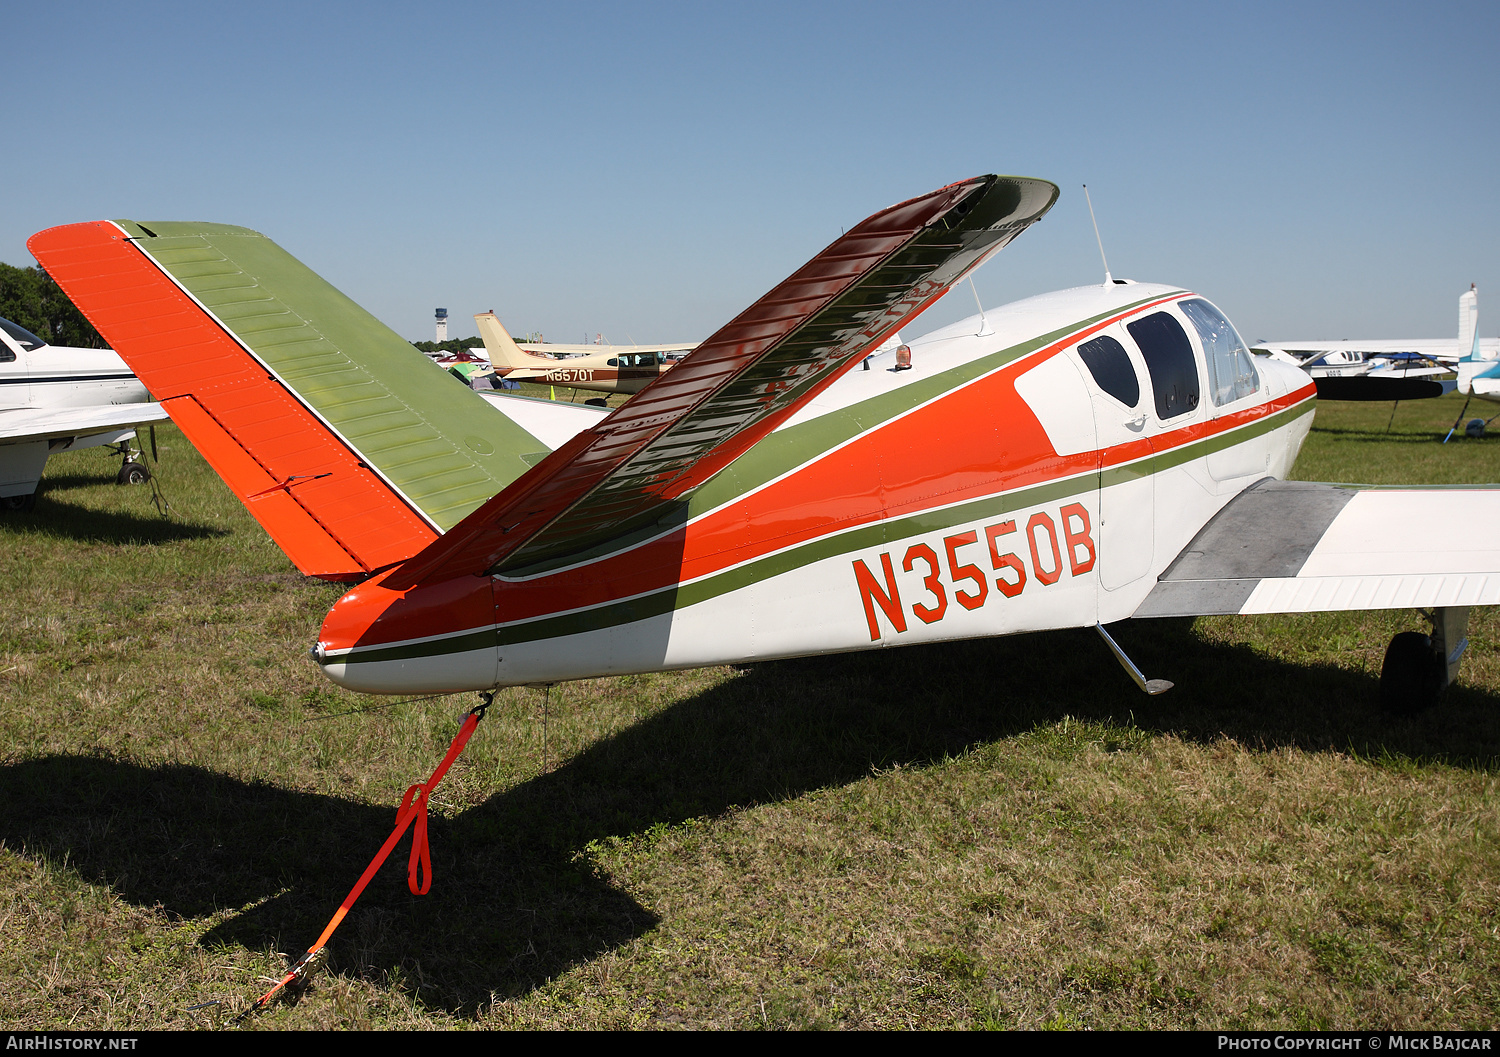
59	519
1398	435
515	902
67	482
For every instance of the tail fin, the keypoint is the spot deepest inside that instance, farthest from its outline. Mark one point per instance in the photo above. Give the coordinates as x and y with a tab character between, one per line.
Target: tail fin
1468	322
503	350
350	448
1472	361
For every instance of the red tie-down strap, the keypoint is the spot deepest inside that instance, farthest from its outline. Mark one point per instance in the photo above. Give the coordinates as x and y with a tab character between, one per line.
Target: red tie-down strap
418	866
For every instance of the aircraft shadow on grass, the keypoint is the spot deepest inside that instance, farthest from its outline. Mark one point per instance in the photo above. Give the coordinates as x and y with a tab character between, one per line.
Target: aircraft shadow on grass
1398	435
513	902
60	519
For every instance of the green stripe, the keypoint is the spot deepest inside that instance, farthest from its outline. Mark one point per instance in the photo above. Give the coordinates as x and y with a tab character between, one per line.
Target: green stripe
1208	446
429	434
787	449
680	596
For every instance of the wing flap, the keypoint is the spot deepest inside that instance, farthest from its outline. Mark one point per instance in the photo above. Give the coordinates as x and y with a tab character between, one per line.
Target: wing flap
1295	547
309	543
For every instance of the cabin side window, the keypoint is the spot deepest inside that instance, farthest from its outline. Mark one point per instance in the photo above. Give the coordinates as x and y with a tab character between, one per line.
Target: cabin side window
1170	362
1231	371
1110	365
28	341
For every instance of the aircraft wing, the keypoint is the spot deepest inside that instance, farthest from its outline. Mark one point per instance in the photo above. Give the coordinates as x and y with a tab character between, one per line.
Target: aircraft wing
1296	547
628	473
49	423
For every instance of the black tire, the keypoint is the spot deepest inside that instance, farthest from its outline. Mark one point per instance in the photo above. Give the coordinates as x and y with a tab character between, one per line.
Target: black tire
133	473
18	504
1411	677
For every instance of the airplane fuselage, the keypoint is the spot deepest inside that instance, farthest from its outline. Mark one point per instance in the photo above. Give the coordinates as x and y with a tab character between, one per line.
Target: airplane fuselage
1039	475
55	376
53	399
615	373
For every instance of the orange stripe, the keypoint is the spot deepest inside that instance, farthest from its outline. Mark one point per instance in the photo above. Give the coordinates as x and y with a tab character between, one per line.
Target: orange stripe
930	457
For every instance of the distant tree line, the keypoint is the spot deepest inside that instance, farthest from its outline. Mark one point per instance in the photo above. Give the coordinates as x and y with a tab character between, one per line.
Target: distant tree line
451	345
28	296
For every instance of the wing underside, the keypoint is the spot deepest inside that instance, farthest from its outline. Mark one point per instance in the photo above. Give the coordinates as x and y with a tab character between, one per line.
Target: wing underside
53	423
633	470
1297	547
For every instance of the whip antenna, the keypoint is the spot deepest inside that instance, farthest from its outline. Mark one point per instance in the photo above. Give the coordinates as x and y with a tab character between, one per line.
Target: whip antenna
1107	278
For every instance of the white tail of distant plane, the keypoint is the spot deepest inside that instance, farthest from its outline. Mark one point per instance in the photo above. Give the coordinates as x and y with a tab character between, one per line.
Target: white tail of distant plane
1475	360
1468	322
503	350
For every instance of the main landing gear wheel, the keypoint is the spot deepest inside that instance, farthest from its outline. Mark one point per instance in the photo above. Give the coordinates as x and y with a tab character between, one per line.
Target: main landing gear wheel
18	504
133	473
1412	676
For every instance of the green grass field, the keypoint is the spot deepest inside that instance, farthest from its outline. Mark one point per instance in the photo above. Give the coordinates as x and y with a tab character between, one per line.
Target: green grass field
998	833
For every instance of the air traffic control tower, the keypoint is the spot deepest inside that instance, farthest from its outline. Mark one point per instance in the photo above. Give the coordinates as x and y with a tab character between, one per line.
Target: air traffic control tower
440	317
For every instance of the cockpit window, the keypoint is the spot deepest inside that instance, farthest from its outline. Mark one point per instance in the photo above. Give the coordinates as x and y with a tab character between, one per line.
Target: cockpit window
1110	365
1231	371
1169	359
21	336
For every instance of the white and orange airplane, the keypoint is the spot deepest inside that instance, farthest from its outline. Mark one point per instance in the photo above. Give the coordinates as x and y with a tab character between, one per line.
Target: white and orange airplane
1070	460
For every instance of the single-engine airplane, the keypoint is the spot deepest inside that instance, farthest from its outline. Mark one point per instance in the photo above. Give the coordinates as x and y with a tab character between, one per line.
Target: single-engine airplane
1394	369
599	368
54	399
1070	460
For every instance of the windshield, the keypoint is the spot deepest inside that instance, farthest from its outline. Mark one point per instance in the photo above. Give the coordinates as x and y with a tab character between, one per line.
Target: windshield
21	336
1230	368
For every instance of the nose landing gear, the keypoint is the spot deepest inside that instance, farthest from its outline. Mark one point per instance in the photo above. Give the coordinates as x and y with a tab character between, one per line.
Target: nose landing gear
133	469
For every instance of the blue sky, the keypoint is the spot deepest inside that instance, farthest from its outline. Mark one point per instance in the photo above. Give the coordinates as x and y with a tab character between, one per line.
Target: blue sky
647	171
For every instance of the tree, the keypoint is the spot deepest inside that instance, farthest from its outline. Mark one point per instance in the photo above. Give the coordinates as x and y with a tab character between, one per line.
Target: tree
29	297
451	345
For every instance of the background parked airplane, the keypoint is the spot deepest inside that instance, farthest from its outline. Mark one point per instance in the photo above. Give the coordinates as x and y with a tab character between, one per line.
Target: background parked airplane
599	368
1392	369
54	398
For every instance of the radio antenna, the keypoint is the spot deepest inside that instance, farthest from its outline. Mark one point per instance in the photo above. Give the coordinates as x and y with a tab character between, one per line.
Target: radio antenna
1107	278
985	330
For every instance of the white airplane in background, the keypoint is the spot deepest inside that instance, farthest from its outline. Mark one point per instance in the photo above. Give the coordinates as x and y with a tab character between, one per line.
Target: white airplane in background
1385	369
53	399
